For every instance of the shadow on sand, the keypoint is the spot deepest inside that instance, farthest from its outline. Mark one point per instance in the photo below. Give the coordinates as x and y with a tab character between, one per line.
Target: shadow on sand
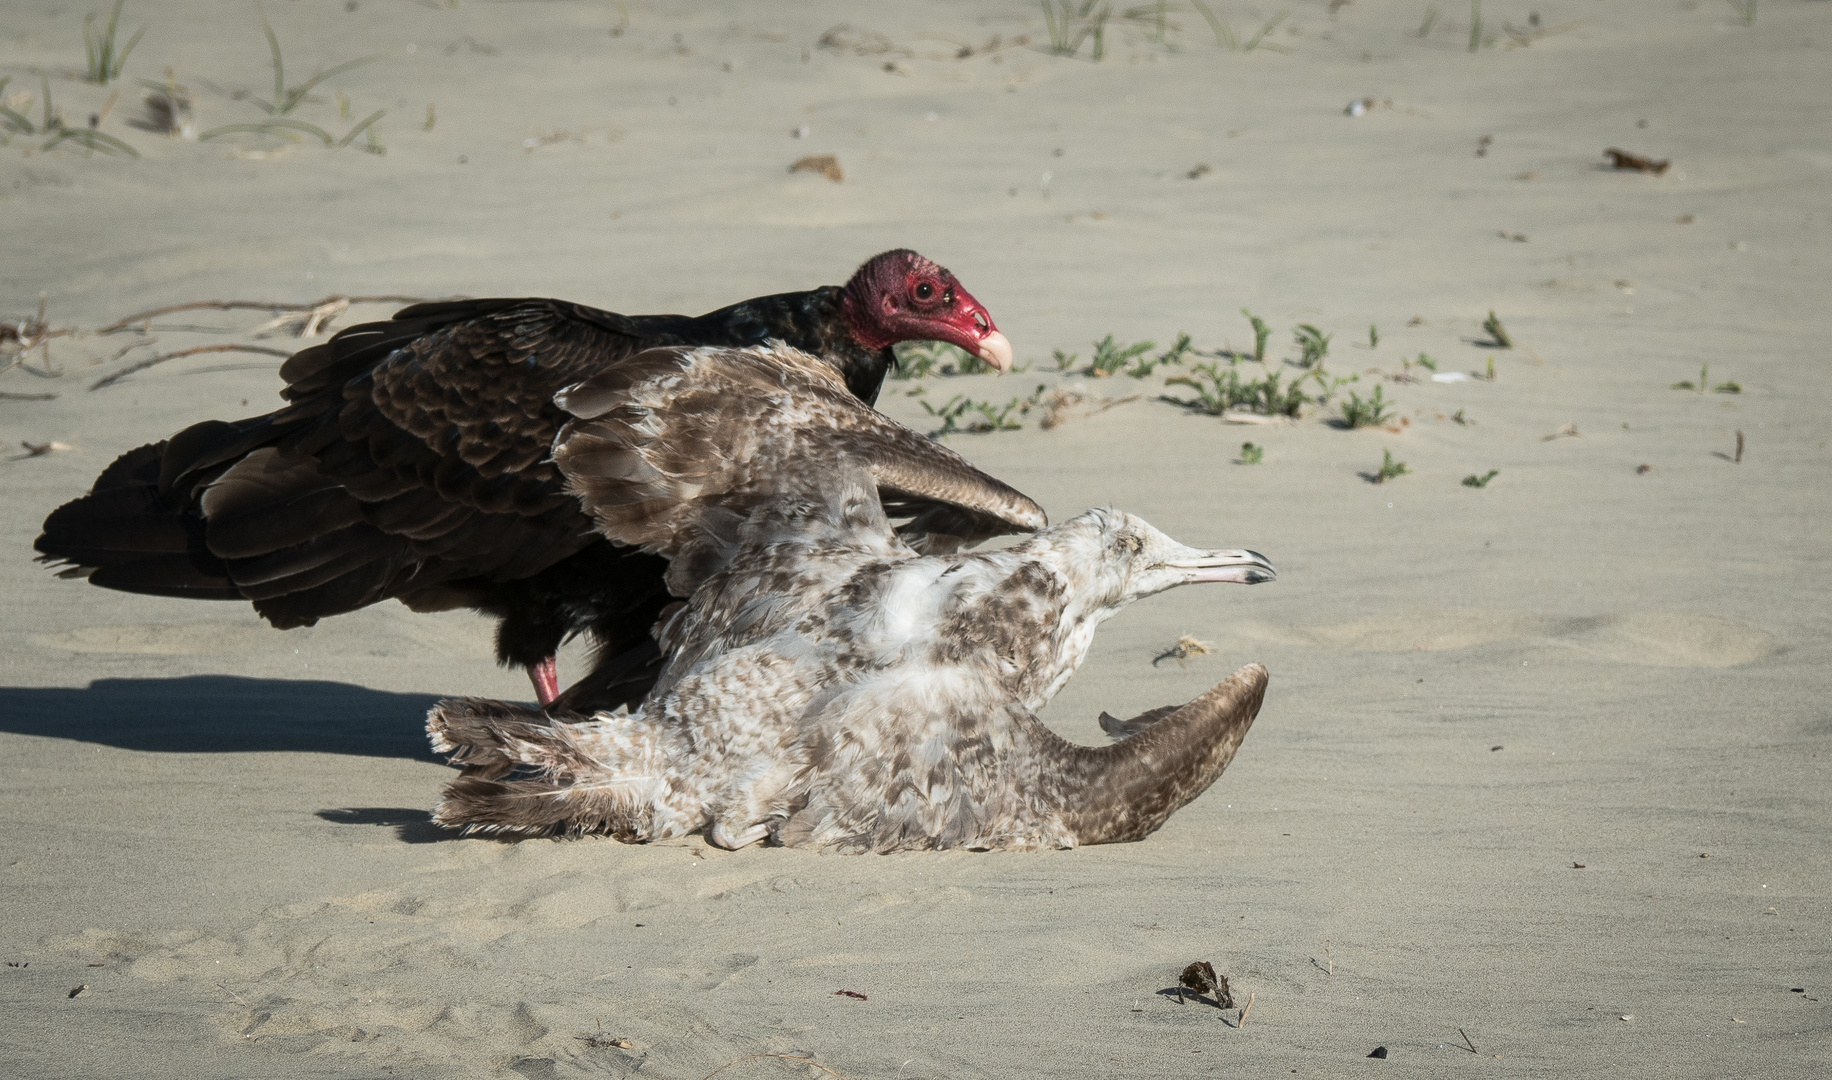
224	714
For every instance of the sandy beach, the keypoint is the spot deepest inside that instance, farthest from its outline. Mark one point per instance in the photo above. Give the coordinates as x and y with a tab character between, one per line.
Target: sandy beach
1542	782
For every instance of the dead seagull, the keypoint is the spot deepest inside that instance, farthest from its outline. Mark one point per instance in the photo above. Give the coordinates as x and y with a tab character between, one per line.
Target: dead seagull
828	686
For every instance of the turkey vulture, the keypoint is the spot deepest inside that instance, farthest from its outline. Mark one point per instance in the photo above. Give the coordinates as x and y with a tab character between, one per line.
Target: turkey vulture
413	460
828	686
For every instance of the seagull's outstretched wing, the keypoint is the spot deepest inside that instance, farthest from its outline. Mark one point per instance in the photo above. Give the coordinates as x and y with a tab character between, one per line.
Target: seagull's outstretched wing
659	445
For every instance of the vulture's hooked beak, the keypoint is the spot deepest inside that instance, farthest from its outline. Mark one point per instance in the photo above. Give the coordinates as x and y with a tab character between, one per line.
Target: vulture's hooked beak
994	347
1238	565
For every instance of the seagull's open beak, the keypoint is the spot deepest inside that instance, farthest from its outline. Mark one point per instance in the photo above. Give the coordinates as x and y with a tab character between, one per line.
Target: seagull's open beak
1239	565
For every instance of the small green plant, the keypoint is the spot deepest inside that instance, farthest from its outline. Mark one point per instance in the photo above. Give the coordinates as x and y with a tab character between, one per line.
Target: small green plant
286	99
1110	357
1064	361
1431	20
1143	367
1388	468
1704	383
1228	39
1372	412
1255	41
1328	384
1461	420
1474	481
1475	25
1312	343
1261	333
920	359
1373	336
104	62
1070	24
87	138
1497	331
1251	454
990	417
1220	389
1746	10
1489	374
1427	363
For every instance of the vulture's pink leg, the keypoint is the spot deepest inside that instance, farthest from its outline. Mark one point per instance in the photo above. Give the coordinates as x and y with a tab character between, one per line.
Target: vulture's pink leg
546	679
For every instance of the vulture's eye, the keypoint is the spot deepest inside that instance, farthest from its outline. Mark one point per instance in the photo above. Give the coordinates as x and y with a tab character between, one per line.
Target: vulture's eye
924	291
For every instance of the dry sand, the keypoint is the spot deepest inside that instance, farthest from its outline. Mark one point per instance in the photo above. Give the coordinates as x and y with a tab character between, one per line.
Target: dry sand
1506	726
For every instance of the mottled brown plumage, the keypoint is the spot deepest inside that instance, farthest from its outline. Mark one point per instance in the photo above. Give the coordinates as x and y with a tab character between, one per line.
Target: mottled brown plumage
412	461
826	685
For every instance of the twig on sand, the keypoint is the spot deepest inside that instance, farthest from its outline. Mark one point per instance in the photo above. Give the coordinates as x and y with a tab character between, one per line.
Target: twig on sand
145	317
786	1057
1472	1046
1186	647
8	396
1242	1022
142	365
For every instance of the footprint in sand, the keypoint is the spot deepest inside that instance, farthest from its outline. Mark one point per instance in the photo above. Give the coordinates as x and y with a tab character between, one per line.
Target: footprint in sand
1661	639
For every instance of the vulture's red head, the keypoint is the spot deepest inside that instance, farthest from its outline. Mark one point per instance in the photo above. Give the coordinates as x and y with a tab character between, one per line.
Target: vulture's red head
901	296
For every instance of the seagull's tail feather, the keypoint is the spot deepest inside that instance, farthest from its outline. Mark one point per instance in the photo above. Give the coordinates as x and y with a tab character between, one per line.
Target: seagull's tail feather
574	787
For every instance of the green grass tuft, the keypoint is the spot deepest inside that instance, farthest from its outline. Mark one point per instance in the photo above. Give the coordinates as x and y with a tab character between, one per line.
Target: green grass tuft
1474	481
1110	357
1251	454
104	62
1220	389
1372	412
1388	469
1261	333
1070	25
1497	331
1313	344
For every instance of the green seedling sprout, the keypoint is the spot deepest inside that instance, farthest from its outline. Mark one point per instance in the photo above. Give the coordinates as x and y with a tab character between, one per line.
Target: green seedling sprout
1688	384
1224	35
1474	481
1261	332
16	123
1220	389
88	138
1746	10
1388	468
1251	454
1312	343
1475	25
1110	357
1497	331
1431	19
1727	388
1070	24
1372	412
1489	374
286	100
919	359
1271	24
104	62
1373	336
1143	366
991	417
1427	363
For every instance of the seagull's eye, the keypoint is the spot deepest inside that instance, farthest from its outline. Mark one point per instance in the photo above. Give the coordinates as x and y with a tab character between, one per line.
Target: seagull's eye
924	291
